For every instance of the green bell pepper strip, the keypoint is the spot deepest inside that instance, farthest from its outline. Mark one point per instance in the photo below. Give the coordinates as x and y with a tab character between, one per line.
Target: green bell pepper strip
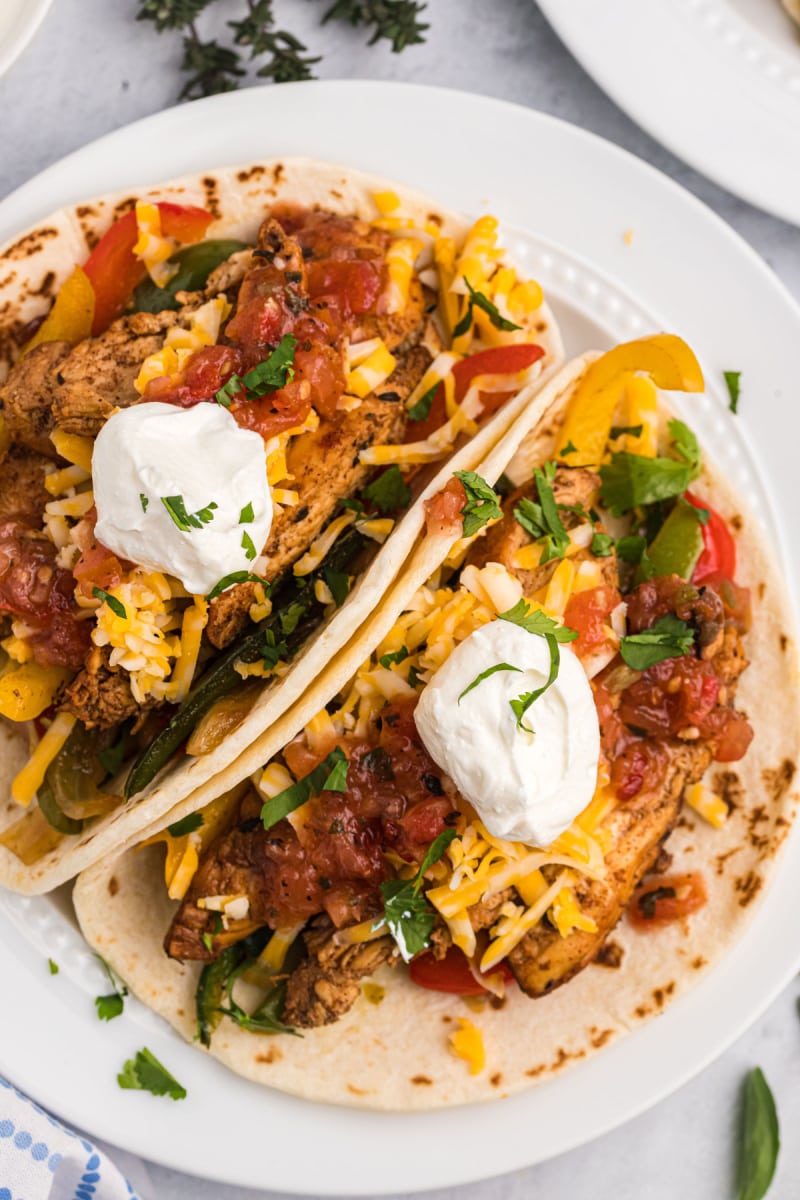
75	771
195	263
52	812
223	678
678	544
211	990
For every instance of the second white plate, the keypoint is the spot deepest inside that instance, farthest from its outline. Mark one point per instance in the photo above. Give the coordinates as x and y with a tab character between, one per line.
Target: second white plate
716	81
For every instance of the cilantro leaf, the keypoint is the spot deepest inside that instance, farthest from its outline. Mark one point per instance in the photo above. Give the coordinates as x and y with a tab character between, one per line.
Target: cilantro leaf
337	780
733	382
116	606
339	584
184	520
632	481
146	1074
420	410
246	515
229	580
478	300
483	502
229	391
53	966
290	619
290	798
143	500
602	545
188	824
273	651
109	1007
389	491
522	703
618	431
541	520
686	444
275	372
408	915
266	1018
570	448
533	620
349	502
485	675
248	546
670	637
396	656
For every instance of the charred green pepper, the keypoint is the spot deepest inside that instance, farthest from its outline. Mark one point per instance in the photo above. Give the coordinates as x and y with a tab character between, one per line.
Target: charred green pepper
195	263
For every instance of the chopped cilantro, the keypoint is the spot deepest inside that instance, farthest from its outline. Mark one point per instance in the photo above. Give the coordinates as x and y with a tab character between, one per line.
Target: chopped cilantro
420	410
188	824
339	584
186	521
355	505
248	546
229	580
538	622
116	606
397	656
482	505
337	780
633	481
275	372
618	431
602	545
485	675
541	520
145	1073
733	380
389	491
686	444
110	1006
246	515
290	798
53	966
229	391
670	637
570	448
143	500
408	914
478	300
290	619
273	651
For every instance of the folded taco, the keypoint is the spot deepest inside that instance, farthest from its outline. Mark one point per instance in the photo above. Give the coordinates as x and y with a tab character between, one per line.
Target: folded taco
224	402
521	811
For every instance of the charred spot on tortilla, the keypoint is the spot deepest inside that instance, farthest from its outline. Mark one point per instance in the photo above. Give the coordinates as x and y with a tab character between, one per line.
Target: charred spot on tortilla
737	521
748	886
273	1055
421	1080
600	1037
662	994
113	885
31	244
496	1079
610	955
778	780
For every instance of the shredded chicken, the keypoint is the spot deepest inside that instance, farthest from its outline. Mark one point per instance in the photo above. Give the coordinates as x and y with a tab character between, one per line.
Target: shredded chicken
327	983
100	695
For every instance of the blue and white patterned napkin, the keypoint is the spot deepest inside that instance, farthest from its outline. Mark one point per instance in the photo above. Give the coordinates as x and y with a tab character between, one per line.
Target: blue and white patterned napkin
40	1159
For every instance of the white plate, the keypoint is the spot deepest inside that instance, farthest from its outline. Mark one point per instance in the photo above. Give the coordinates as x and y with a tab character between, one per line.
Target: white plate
576	195
19	20
717	81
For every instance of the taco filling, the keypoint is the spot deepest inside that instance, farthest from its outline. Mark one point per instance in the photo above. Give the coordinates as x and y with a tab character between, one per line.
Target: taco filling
204	444
494	787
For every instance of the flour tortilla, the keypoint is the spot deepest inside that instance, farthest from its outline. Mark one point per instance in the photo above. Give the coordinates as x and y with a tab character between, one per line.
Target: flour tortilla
395	1055
31	270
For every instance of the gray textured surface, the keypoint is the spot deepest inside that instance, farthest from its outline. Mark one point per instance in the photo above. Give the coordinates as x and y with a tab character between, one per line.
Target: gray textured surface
91	69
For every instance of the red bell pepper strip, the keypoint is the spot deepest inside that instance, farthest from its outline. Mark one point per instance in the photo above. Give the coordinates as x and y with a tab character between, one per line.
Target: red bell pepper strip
718	556
451	974
113	268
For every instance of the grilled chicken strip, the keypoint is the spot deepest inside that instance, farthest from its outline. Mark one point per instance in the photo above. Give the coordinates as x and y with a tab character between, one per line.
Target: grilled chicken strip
327	984
28	395
544	960
23	493
100	695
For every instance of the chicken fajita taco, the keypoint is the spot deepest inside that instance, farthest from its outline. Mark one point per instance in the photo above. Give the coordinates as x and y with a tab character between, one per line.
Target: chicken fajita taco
223	403
533	799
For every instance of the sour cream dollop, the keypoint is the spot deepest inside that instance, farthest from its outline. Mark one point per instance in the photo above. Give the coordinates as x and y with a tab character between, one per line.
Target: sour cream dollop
525	787
150	453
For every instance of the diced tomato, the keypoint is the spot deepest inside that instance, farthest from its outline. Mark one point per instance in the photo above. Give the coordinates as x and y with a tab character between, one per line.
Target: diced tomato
670	898
443	511
639	767
204	374
350	286
113	268
97	567
452	974
671	696
497	360
33	587
731	731
587	613
718	557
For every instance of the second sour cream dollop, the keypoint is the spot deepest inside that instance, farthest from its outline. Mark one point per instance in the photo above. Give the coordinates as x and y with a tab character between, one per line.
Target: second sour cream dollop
525	787
154	463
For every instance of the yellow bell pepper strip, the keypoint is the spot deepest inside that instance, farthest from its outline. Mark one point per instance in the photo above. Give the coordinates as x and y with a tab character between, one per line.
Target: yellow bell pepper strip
27	691
70	318
665	358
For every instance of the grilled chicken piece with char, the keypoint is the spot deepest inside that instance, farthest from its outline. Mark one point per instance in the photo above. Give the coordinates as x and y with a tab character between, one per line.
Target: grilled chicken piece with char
100	695
544	959
327	983
28	395
23	493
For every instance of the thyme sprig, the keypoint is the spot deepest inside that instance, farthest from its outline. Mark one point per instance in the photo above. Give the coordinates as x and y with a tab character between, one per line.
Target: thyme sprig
212	66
